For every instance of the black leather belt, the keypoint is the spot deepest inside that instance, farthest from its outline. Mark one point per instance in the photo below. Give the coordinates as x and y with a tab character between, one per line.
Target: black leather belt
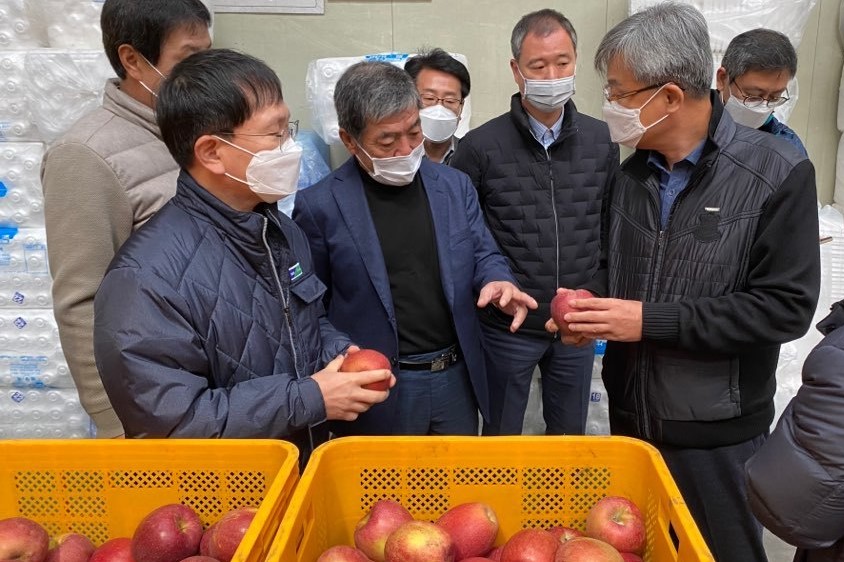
444	361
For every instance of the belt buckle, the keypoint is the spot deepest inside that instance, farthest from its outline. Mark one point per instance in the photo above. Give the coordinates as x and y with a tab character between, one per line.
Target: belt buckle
440	363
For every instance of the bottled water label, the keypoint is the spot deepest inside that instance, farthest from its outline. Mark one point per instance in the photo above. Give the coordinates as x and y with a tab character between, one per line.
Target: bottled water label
42	414
33	331
24	277
26	370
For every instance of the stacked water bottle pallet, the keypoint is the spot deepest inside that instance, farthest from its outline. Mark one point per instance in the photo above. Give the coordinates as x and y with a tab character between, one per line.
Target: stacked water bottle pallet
52	71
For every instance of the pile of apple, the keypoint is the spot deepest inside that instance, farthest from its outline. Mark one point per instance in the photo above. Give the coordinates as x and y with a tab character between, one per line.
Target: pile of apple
615	532
172	533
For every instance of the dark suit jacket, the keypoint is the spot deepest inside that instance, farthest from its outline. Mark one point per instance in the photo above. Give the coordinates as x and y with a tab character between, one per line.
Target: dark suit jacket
347	257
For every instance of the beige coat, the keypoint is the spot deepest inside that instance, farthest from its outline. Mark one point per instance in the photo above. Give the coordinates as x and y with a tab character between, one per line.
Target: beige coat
102	180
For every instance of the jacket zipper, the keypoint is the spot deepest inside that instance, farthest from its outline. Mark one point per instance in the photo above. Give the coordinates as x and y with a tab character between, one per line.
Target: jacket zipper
659	252
285	303
556	218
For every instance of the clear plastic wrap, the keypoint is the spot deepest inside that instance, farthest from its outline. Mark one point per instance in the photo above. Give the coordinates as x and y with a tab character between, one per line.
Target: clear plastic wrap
24	277
19	28
15	121
321	79
42	414
21	199
68	24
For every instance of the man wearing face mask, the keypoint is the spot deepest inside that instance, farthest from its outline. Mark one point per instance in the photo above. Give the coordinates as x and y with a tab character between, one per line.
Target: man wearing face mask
709	263
209	321
111	172
540	171
443	83
753	81
402	246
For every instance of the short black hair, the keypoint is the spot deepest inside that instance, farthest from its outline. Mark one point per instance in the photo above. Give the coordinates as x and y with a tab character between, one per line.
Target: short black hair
145	25
212	92
759	49
437	59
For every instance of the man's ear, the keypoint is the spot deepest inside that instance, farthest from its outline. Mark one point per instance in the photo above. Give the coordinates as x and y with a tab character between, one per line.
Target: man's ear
517	75
722	80
348	141
206	153
674	97
132	61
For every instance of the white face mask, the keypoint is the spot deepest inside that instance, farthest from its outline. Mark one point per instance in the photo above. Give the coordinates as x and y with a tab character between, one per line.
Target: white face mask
753	117
397	170
548	95
144	86
272	174
438	123
624	123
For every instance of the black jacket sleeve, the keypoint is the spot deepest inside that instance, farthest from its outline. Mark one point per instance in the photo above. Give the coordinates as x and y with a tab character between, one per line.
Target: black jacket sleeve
779	298
796	480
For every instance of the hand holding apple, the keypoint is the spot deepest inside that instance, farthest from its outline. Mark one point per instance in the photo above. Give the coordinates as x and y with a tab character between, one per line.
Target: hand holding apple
367	360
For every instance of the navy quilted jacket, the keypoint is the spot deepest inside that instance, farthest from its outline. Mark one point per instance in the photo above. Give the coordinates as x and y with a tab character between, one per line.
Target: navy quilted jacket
542	207
209	323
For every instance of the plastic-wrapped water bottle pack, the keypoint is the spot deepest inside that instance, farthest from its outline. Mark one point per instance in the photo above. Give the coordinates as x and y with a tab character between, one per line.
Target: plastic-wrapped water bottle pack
21	199
18	29
42	414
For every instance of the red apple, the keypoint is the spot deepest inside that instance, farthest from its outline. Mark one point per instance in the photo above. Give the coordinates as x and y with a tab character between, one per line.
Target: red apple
630	557
473	528
23	540
115	550
372	531
618	522
170	533
564	534
475	559
530	545
419	541
495	554
71	547
561	305
342	553
200	558
584	549
224	536
367	360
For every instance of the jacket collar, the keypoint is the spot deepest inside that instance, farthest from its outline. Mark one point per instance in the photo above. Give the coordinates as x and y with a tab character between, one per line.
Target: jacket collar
245	227
520	118
125	106
834	320
722	129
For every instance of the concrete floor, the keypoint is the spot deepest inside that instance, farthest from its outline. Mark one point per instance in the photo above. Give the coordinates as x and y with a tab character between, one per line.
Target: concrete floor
778	551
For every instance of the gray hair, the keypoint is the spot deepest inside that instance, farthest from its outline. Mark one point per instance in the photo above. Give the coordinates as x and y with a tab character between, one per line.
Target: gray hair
668	42
759	49
542	23
370	91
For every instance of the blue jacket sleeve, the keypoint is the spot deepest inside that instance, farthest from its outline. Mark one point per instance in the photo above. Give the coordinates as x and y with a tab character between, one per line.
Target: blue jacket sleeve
155	370
796	479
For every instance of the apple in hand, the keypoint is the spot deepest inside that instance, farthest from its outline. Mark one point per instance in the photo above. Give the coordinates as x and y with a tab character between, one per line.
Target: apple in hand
584	549
23	540
473	528
170	533
419	541
222	538
115	550
342	553
372	531
618	522
530	545
367	360
71	547
561	305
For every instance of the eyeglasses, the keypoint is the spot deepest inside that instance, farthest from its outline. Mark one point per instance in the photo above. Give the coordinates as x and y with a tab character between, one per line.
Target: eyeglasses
758	101
610	97
451	103
292	131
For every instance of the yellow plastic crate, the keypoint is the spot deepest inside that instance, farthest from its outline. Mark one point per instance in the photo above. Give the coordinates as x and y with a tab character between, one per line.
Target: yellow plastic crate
103	488
529	481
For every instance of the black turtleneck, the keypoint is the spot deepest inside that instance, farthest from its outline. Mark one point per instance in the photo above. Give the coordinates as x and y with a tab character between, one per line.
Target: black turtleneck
405	228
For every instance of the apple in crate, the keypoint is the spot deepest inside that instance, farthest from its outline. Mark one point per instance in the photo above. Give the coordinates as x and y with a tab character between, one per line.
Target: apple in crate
222	538
630	557
495	553
584	549
71	547
343	553
115	550
200	558
473	528
475	559
367	360
170	533
561	305
618	522
419	541
23	540
372	531
564	534
530	545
